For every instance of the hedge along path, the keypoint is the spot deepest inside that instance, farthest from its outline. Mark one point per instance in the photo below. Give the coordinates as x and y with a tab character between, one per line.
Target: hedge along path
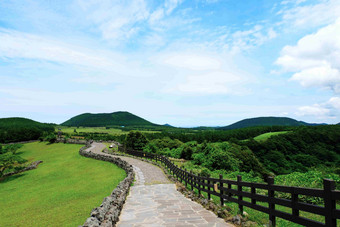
154	201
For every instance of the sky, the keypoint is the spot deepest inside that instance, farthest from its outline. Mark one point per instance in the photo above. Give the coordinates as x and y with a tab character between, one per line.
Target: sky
181	62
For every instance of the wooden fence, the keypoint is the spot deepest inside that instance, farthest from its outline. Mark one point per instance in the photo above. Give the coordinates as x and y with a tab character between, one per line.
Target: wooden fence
237	190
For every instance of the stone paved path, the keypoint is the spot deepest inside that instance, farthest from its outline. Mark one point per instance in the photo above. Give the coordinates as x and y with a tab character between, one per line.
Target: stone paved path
154	201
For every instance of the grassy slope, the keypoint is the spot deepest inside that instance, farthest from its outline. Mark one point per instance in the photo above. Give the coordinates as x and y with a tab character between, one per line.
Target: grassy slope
265	136
62	191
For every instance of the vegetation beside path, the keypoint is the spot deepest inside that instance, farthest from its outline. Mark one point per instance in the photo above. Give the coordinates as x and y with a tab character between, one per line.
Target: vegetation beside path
62	191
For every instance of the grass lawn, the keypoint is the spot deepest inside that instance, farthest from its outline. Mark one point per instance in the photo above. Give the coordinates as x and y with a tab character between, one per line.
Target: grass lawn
265	136
62	191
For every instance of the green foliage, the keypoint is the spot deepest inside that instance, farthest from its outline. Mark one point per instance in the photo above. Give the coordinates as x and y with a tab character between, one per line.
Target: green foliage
51	138
310	179
205	172
299	150
227	156
187	152
213	156
165	146
135	140
21	129
9	159
186	135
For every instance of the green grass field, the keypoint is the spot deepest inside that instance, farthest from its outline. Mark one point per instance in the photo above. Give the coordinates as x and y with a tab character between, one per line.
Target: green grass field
112	131
265	136
62	191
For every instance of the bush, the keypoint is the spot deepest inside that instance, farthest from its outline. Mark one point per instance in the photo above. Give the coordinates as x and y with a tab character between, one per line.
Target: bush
9	160
135	140
310	179
205	172
187	153
51	138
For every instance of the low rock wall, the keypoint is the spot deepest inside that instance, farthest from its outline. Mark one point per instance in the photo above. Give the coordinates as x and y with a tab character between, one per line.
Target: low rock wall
107	214
33	165
71	141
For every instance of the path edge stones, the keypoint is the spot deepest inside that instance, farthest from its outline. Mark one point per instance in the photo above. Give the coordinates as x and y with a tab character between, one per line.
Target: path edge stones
107	214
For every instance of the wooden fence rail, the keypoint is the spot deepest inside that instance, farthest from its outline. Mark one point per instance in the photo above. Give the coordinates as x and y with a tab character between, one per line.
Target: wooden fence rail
236	191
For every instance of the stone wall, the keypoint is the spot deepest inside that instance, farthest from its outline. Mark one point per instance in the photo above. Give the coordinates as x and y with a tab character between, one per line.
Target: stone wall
71	141
33	165
107	214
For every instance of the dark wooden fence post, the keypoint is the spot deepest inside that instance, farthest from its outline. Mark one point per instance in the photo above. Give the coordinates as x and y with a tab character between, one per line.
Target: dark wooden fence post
295	200
229	188
272	218
186	177
191	181
253	192
180	174
328	186
221	191
209	182
239	189
199	185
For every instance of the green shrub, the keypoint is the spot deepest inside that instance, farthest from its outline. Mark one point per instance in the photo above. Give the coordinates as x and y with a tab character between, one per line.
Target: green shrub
310	179
135	140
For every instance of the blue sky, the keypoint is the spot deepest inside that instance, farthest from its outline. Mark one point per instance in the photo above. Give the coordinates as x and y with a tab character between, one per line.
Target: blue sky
186	63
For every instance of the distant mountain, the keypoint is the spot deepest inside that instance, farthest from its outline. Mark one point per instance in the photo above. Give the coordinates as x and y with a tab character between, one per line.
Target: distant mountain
265	121
120	118
16	129
21	122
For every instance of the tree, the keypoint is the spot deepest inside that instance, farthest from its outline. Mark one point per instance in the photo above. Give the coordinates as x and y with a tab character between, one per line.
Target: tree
187	153
135	140
51	138
9	159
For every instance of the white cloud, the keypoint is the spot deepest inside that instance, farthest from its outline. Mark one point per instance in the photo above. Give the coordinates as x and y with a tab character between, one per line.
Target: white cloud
314	110
248	39
296	2
315	58
334	102
119	21
192	61
325	110
15	44
170	5
116	20
310	15
216	82
156	16
323	76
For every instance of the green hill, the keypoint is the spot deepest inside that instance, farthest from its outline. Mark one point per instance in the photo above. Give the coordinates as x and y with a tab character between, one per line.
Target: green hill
17	129
120	118
264	121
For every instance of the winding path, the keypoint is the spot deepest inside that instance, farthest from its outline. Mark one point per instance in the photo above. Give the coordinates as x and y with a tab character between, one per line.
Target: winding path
154	200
